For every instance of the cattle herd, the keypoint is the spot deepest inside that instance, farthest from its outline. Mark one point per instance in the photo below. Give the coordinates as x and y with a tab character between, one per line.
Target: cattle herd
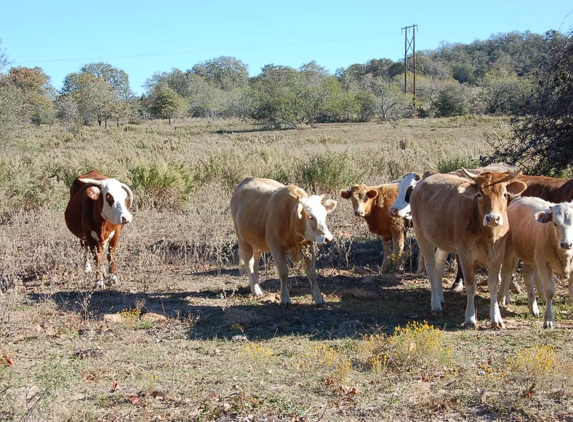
491	217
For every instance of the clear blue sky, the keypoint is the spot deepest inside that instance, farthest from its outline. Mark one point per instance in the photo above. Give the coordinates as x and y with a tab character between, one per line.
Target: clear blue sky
143	37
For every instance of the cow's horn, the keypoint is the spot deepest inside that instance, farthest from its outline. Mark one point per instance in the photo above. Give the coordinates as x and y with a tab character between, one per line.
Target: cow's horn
469	174
91	181
510	176
129	193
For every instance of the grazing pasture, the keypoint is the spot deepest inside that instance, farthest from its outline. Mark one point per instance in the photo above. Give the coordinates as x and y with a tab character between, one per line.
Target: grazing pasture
180	337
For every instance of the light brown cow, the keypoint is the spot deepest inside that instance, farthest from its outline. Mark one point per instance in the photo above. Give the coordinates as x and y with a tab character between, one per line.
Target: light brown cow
284	220
544	247
373	204
467	217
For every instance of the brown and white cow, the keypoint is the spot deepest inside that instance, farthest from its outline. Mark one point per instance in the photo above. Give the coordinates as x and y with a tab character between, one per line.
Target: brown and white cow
550	189
283	220
373	204
467	217
96	213
543	247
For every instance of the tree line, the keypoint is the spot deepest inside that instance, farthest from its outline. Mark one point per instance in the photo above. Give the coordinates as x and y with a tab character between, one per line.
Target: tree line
497	76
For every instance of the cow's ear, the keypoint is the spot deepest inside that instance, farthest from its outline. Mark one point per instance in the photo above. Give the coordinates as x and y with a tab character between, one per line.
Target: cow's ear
346	194
468	189
516	187
93	193
372	193
417	177
298	209
544	216
329	205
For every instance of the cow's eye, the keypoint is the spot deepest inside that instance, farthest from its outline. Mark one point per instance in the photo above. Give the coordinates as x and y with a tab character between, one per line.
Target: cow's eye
109	198
310	217
478	195
506	195
555	224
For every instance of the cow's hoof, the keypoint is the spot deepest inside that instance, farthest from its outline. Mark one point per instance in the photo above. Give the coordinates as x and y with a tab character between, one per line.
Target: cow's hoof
286	305
87	267
498	325
436	314
470	326
111	280
548	324
99	284
256	291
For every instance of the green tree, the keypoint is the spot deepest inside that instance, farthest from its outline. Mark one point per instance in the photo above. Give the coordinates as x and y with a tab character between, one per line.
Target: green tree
226	73
12	106
36	92
542	138
166	103
94	97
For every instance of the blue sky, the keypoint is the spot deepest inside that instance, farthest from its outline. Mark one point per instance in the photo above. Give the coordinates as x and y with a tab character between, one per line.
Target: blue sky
143	37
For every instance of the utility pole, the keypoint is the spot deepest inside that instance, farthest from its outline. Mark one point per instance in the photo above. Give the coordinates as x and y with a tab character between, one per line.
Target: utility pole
410	45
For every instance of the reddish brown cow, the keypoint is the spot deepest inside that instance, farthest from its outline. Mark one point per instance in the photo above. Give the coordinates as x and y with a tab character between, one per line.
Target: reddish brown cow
96	213
373	204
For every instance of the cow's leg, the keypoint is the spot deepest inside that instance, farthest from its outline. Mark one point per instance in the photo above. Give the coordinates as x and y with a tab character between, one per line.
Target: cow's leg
111	254
398	239
571	286
529	274
421	264
493	285
387	250
549	290
507	268
251	265
96	251
458	285
469	273
87	265
441	257
539	286
282	268
309	258
427	250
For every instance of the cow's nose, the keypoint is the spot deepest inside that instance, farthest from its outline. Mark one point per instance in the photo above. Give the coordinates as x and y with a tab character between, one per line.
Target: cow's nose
125	220
359	213
566	245
493	219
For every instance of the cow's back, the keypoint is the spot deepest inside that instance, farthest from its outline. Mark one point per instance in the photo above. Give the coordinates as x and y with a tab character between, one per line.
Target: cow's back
440	212
548	188
526	234
78	185
252	204
80	208
379	220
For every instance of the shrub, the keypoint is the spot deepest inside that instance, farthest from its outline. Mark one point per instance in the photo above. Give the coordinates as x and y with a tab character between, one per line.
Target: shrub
446	165
161	185
328	171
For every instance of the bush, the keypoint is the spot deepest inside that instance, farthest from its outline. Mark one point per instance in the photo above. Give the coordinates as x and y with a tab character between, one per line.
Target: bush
327	172
161	185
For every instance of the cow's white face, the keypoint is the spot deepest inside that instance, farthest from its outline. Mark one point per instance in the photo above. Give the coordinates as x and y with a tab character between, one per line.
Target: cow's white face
114	198
314	210
401	206
562	217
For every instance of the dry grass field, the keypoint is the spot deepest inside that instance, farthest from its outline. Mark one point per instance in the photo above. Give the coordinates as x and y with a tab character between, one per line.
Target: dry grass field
180	338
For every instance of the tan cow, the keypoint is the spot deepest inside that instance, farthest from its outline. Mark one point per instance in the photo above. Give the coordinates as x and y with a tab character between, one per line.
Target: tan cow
373	204
284	220
544	247
467	217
